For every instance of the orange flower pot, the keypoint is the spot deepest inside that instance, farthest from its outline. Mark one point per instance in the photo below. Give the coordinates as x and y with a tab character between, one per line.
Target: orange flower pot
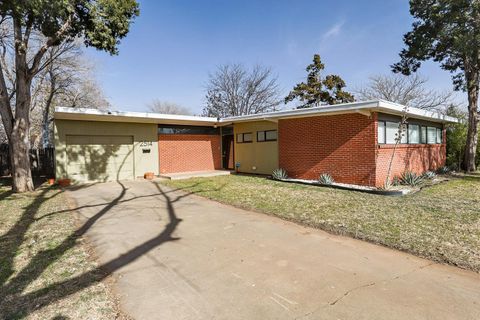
51	181
148	175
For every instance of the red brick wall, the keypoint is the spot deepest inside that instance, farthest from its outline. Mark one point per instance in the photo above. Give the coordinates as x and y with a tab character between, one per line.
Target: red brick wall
182	152
417	158
341	145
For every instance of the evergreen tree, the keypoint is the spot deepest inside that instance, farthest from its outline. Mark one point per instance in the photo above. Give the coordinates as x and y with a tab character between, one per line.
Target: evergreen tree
448	32
317	90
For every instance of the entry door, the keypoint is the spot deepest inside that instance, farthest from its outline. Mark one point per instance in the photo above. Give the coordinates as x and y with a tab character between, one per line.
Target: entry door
99	158
227	152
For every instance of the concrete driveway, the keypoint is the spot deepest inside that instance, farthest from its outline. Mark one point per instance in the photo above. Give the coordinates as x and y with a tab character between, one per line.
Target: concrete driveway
178	256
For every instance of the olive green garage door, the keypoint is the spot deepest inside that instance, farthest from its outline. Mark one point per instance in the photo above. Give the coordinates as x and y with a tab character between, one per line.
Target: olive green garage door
99	158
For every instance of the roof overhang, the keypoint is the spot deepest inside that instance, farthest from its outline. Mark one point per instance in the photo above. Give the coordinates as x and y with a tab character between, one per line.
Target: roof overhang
365	108
63	113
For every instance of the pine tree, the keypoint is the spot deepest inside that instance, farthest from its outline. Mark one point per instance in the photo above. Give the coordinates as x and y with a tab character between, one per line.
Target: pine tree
317	90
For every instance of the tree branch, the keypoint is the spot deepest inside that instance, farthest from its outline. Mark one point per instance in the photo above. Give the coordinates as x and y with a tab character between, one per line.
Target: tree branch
5	108
37	59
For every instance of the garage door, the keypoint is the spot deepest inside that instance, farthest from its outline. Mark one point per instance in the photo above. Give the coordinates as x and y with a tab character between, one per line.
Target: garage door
99	158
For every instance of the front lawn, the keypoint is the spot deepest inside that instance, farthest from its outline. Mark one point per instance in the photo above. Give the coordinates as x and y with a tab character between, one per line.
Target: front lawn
441	222
45	270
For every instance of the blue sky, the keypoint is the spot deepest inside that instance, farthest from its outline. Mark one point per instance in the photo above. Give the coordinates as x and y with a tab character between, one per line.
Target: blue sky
174	45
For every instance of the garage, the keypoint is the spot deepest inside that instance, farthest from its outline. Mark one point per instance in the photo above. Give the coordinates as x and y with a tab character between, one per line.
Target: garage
99	158
98	145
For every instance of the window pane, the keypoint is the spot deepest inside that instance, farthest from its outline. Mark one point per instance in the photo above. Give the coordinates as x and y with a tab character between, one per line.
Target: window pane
431	135
392	130
260	135
247	137
423	135
413	133
381	132
271	135
240	137
439	135
180	129
404	135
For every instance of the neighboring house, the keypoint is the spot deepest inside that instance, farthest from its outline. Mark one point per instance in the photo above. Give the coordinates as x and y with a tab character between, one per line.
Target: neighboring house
353	142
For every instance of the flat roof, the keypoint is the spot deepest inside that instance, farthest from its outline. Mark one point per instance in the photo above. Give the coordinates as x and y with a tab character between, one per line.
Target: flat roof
362	107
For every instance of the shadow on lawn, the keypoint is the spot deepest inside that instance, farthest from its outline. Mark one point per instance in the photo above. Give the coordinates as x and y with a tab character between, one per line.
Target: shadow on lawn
11	288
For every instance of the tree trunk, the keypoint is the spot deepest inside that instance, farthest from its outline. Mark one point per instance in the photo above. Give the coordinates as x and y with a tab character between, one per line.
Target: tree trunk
20	139
473	119
20	136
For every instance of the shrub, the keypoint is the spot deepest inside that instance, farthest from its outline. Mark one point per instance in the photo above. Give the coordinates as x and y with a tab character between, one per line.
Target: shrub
429	175
279	174
396	181
411	178
443	170
325	178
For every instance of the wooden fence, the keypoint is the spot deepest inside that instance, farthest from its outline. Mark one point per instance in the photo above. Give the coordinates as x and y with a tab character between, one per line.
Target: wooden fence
42	161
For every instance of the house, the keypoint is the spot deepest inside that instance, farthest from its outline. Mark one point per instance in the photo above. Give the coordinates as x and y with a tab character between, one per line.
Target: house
353	142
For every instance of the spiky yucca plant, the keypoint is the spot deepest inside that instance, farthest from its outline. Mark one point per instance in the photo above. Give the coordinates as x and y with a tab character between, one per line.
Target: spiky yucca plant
325	178
279	174
429	175
443	170
411	178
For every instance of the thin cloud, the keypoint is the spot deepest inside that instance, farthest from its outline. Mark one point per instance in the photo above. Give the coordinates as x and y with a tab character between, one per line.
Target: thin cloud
334	30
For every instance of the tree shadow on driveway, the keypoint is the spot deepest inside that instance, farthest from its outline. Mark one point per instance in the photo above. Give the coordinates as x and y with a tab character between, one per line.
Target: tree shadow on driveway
12	287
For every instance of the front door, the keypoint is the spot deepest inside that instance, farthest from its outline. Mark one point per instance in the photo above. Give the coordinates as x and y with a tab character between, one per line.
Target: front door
227	152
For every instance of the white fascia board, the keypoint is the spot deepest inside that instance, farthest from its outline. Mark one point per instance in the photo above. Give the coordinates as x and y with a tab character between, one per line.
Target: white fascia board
322	110
64	113
365	108
398	109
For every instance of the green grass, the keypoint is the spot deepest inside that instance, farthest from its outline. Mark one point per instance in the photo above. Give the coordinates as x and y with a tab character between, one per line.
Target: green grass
441	222
38	252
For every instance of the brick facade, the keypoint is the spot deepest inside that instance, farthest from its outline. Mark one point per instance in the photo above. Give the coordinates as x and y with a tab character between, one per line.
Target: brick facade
417	158
186	152
340	145
345	147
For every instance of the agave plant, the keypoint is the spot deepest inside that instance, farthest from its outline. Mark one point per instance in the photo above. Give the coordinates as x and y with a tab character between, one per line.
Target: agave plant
325	178
411	178
443	170
429	175
396	181
279	174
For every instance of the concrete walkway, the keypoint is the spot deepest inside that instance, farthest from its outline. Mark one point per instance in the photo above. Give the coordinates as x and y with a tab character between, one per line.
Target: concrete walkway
178	256
194	174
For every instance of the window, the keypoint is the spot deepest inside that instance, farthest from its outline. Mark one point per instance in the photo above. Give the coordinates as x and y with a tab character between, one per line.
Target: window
381	132
260	136
439	135
268	135
179	129
431	135
413	133
404	134
391	132
271	135
244	137
423	135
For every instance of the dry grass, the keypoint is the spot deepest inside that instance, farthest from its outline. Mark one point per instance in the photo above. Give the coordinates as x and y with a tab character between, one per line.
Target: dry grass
441	222
38	252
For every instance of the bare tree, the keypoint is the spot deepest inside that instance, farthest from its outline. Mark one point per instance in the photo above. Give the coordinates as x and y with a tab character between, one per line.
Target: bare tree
410	91
233	90
167	107
99	24
68	80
